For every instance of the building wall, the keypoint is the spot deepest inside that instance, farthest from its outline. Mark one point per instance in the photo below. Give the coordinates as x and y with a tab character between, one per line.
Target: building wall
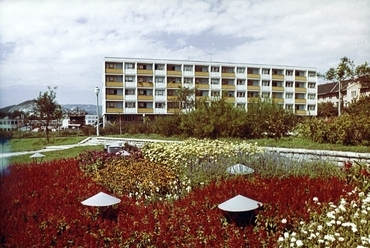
135	88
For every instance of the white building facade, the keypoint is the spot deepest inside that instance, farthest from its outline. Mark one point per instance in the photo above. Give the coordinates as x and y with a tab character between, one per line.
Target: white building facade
135	88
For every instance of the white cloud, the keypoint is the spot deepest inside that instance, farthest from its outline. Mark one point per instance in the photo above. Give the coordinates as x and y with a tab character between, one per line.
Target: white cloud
63	43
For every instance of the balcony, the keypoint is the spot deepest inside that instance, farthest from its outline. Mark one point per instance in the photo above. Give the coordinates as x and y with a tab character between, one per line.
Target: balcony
278	76
253	99
145	110
177	73
114	97
173	110
299	89
114	71
202	74
300	112
228	74
228	87
145	84
253	87
145	72
300	78
278	100
114	84
145	97
298	100
202	86
230	99
172	98
173	85
277	88
256	76
204	98
115	110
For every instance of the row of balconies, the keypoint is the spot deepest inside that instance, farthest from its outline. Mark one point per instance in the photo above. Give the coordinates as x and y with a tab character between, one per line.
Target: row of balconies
161	111
208	74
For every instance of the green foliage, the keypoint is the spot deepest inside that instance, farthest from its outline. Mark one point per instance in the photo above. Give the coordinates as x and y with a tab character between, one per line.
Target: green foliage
326	109
47	108
265	117
359	107
167	125
213	119
363	74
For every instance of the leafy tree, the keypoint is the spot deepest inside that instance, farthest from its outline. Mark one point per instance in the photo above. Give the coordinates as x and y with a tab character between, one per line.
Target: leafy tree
363	75
326	109
47	108
344	71
185	97
360	107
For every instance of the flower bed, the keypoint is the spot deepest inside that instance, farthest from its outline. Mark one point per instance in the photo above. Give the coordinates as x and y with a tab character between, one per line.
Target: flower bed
41	206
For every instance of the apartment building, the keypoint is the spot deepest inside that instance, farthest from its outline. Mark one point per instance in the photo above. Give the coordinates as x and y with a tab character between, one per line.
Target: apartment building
134	89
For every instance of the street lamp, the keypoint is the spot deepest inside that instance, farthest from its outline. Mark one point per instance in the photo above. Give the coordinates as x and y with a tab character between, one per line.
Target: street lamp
97	110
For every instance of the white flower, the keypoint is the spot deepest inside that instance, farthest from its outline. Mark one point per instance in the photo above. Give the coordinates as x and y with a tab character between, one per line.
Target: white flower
286	235
283	221
299	243
319	227
315	199
341	239
281	239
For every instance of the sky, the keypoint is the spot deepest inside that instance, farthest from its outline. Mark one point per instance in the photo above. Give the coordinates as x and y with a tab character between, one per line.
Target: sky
63	43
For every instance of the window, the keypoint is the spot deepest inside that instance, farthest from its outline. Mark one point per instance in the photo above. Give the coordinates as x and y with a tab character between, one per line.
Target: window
230	93
188	68
311	74
130	105
111	92
215	81
289	73
159	80
240	94
353	93
240	70
111	105
265	95
311	96
159	67
130	92
289	95
142	105
129	79
311	85
289	84
266	71
289	107
215	69
240	82
188	80
215	93
110	79
265	83
311	107
110	65
172	105
130	65
171	92
159	92
159	104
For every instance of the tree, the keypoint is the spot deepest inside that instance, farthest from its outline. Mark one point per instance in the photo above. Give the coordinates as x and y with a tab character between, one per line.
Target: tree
363	75
47	108
344	71
327	109
185	97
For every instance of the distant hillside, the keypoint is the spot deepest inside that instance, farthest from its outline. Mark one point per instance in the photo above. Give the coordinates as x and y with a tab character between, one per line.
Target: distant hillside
28	106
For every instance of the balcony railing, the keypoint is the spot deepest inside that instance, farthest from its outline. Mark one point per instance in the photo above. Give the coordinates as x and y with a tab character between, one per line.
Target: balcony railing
257	76
228	86
202	86
172	98
173	85
179	73
300	112
277	88
114	97
202	74
115	110
115	71
114	84
145	110
145	97
299	100
300	78
278	99
300	89
253	87
228	74
278	76
145	72
145	84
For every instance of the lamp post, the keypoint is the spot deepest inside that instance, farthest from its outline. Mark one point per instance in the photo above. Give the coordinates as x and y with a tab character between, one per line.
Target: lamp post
97	110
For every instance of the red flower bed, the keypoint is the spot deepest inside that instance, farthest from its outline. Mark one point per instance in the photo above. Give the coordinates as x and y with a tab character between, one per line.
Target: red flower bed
41	206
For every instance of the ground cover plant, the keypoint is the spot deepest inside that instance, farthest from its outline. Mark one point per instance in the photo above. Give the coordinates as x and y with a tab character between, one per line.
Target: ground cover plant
41	203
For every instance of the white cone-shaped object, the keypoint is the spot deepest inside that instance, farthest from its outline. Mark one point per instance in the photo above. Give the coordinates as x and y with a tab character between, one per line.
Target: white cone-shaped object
101	200
239	203
37	155
239	169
